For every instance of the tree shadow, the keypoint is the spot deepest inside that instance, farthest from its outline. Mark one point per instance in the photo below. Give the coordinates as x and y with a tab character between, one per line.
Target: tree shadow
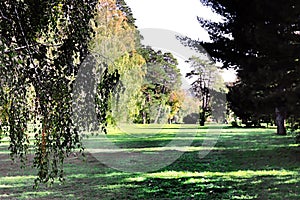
244	165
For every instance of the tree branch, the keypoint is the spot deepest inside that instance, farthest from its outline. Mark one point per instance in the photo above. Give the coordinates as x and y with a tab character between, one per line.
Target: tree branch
5	17
32	45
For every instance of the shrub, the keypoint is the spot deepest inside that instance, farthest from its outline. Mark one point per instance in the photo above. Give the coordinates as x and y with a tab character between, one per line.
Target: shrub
234	124
297	137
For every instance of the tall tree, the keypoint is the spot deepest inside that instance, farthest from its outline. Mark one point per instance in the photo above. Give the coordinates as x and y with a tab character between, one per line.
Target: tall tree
162	77
261	40
205	75
42	44
116	40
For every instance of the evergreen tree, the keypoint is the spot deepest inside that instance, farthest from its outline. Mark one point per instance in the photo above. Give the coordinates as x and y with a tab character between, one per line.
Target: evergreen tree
261	40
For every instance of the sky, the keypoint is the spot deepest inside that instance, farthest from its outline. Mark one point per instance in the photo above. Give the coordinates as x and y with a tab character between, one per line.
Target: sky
175	15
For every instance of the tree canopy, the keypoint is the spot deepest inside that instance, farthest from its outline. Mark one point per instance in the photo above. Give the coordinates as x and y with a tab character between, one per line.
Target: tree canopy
206	76
42	44
60	58
160	88
260	39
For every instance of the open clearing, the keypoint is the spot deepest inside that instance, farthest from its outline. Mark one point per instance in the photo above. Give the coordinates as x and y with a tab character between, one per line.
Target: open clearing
244	164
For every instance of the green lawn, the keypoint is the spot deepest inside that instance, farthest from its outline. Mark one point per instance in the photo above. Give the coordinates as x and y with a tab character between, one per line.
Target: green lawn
243	164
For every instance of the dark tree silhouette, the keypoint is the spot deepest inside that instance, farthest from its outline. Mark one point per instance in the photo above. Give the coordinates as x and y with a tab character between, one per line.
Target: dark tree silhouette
261	40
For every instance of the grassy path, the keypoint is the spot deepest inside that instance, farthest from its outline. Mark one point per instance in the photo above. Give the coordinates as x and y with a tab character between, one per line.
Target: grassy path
244	164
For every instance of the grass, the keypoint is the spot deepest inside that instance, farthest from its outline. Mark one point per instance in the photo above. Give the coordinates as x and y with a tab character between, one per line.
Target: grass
244	164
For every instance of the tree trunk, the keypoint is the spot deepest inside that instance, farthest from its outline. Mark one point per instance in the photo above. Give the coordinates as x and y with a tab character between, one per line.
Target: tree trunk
202	118
144	116
158	114
280	122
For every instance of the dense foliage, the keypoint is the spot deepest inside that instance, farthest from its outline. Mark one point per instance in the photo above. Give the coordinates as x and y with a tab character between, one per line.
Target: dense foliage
68	66
42	44
261	40
161	99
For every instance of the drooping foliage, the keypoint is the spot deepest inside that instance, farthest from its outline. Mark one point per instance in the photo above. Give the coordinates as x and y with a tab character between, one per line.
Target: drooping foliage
48	49
116	42
42	44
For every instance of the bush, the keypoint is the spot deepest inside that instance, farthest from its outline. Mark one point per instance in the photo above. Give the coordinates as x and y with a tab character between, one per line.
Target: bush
294	130
192	118
234	124
297	138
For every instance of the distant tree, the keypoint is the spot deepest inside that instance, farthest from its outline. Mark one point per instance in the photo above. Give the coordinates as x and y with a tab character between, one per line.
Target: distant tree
204	73
175	102
116	41
189	105
161	79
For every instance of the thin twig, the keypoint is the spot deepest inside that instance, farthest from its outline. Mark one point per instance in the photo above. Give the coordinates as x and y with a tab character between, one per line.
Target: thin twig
22	31
27	45
5	17
32	45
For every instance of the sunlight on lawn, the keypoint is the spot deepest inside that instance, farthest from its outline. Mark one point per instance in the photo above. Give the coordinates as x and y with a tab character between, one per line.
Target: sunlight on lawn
244	164
224	175
4	152
104	175
150	149
13	179
117	186
28	195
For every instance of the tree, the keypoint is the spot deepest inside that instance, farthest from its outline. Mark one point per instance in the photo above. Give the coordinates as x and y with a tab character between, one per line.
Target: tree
175	102
162	77
116	40
121	5
205	74
189	111
43	44
260	39
249	109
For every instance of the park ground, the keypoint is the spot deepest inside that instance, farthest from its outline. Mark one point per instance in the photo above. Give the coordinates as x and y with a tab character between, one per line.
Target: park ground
252	163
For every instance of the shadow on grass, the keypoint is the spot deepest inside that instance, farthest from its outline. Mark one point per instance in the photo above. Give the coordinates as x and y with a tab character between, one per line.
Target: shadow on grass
246	164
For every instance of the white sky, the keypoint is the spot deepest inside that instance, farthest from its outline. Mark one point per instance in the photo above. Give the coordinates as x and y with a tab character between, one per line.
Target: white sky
174	15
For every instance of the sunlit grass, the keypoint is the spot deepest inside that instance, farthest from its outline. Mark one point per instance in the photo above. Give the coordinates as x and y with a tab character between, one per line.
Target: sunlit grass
13	179
224	175
248	197
116	186
27	195
295	180
244	164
